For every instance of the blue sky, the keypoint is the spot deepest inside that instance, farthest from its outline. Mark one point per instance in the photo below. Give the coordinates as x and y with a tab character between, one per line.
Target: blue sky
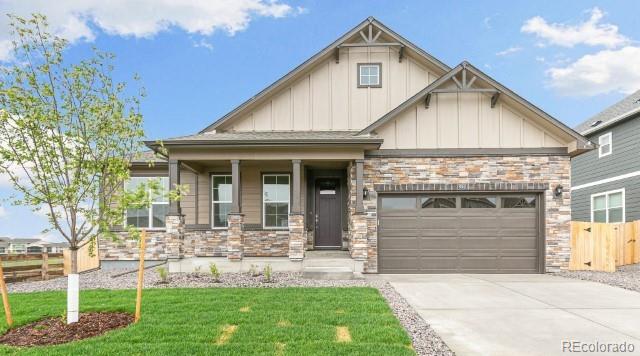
199	60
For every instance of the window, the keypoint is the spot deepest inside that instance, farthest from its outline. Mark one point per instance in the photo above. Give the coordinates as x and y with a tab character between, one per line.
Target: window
154	216
275	200
221	200
398	203
518	202
608	207
479	202
438	203
369	75
605	145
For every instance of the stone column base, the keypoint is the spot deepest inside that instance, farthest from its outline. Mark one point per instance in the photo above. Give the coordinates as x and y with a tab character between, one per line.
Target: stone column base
358	232
235	247
297	237
174	225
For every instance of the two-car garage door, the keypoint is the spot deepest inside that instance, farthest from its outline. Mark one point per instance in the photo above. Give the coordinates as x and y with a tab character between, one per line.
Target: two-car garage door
475	233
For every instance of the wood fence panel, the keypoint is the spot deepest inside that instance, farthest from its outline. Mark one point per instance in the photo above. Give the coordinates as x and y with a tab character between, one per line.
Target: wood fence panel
636	242
593	246
86	262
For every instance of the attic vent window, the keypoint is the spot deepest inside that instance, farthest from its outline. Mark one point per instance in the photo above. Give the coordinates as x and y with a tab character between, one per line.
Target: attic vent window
596	123
369	75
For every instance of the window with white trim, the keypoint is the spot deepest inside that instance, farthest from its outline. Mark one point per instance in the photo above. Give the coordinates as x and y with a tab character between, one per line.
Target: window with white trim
605	145
275	201
369	75
608	207
153	216
221	197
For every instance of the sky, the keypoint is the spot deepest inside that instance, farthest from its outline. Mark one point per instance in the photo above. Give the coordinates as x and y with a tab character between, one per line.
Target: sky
200	59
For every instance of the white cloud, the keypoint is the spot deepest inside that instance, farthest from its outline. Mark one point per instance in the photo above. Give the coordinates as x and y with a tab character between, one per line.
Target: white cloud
73	19
203	43
590	32
3	212
600	73
508	51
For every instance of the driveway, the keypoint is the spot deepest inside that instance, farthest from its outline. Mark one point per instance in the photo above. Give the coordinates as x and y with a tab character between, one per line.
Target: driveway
521	314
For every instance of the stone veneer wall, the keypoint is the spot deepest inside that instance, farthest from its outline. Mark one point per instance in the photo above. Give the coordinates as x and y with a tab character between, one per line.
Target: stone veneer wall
126	249
266	243
552	170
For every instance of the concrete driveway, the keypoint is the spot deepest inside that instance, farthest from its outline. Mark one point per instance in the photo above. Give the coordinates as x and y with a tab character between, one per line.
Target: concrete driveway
521	314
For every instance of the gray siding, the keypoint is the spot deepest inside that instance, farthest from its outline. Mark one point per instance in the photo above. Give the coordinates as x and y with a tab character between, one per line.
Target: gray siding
581	199
625	157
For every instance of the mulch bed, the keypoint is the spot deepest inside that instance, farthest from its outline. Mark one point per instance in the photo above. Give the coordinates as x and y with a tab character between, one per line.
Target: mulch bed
53	331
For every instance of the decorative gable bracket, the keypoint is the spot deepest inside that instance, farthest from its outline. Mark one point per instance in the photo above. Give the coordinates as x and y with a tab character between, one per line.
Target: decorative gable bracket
463	85
370	40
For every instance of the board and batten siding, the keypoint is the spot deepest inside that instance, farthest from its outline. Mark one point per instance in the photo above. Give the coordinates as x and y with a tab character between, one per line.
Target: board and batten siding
588	167
464	120
328	97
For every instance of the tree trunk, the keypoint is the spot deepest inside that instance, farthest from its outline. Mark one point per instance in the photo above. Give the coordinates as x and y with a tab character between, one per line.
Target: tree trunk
73	288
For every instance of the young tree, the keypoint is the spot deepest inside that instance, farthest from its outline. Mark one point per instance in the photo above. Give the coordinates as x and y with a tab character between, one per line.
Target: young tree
68	133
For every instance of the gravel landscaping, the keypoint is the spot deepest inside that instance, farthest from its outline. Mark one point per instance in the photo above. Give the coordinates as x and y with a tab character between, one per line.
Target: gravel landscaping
425	340
627	277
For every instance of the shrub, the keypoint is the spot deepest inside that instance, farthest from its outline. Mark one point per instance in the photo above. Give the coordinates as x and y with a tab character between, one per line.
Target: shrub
253	271
267	273
215	272
163	274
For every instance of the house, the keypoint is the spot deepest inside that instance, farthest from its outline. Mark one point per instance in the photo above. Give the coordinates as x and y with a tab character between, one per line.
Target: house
29	245
606	182
4	245
374	147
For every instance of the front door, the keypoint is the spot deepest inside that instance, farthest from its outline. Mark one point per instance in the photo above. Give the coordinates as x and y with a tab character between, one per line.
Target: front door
328	223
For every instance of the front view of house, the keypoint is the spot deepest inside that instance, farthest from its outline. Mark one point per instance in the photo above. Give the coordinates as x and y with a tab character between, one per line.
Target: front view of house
374	147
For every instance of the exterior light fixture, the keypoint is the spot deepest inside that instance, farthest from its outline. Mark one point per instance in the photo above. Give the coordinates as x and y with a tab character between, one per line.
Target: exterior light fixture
557	191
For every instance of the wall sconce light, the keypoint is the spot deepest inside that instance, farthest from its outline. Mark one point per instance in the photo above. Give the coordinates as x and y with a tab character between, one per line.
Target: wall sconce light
365	192
557	191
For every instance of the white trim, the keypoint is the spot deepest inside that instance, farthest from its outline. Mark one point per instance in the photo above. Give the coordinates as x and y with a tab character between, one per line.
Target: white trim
213	210
607	208
264	211
612	121
601	145
606	180
150	226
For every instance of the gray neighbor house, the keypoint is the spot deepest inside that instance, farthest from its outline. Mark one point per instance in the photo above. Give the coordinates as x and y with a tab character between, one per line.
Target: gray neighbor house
605	183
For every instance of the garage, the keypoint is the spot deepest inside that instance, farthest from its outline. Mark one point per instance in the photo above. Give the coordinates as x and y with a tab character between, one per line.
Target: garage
460	233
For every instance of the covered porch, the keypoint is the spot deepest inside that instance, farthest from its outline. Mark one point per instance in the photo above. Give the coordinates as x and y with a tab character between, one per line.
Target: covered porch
252	203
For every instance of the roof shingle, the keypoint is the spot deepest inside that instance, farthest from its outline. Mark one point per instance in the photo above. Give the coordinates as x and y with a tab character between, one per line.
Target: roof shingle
631	102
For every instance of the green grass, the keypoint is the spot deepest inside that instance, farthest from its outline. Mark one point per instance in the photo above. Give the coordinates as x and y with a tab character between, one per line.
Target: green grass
30	262
191	321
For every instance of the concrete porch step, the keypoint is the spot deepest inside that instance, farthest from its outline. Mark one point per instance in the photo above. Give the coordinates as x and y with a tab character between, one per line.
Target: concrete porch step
327	273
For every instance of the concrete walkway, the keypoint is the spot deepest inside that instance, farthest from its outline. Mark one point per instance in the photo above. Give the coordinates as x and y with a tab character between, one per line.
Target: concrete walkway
521	314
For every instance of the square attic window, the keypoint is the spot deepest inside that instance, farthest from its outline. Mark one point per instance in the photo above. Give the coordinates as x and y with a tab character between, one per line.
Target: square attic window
369	75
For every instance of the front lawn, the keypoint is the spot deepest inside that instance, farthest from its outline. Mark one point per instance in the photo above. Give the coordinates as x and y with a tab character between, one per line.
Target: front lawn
273	321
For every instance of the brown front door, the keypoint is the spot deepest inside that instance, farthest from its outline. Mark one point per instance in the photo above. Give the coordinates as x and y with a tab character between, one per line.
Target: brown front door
328	225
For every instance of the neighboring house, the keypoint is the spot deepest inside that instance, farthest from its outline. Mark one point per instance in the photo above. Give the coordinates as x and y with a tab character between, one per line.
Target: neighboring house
22	246
606	182
375	147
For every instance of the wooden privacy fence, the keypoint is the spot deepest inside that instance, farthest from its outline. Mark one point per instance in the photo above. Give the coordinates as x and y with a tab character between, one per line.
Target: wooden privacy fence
34	266
86	262
603	247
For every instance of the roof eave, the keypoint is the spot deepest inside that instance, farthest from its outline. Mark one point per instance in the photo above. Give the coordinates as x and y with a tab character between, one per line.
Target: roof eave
628	115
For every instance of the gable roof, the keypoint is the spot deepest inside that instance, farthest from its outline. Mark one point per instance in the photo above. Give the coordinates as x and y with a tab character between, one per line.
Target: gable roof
614	113
317	57
499	88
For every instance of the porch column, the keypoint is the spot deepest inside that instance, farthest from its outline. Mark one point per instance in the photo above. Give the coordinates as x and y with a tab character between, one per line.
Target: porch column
235	219
296	217
359	185
235	186
174	179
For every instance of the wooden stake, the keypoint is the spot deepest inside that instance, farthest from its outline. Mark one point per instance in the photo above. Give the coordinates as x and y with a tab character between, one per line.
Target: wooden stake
143	238
5	297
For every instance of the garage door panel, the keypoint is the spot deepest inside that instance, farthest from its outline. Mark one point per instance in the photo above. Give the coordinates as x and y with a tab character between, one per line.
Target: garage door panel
462	240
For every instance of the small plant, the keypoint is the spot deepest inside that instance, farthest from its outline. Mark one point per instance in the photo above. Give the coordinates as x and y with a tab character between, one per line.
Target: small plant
215	272
63	316
253	271
163	274
267	273
197	269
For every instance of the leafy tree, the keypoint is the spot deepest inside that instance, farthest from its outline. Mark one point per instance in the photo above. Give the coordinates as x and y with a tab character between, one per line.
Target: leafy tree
68	133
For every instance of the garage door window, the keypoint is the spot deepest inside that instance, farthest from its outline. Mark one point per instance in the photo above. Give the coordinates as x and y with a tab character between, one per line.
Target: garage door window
437	203
518	202
479	202
398	203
